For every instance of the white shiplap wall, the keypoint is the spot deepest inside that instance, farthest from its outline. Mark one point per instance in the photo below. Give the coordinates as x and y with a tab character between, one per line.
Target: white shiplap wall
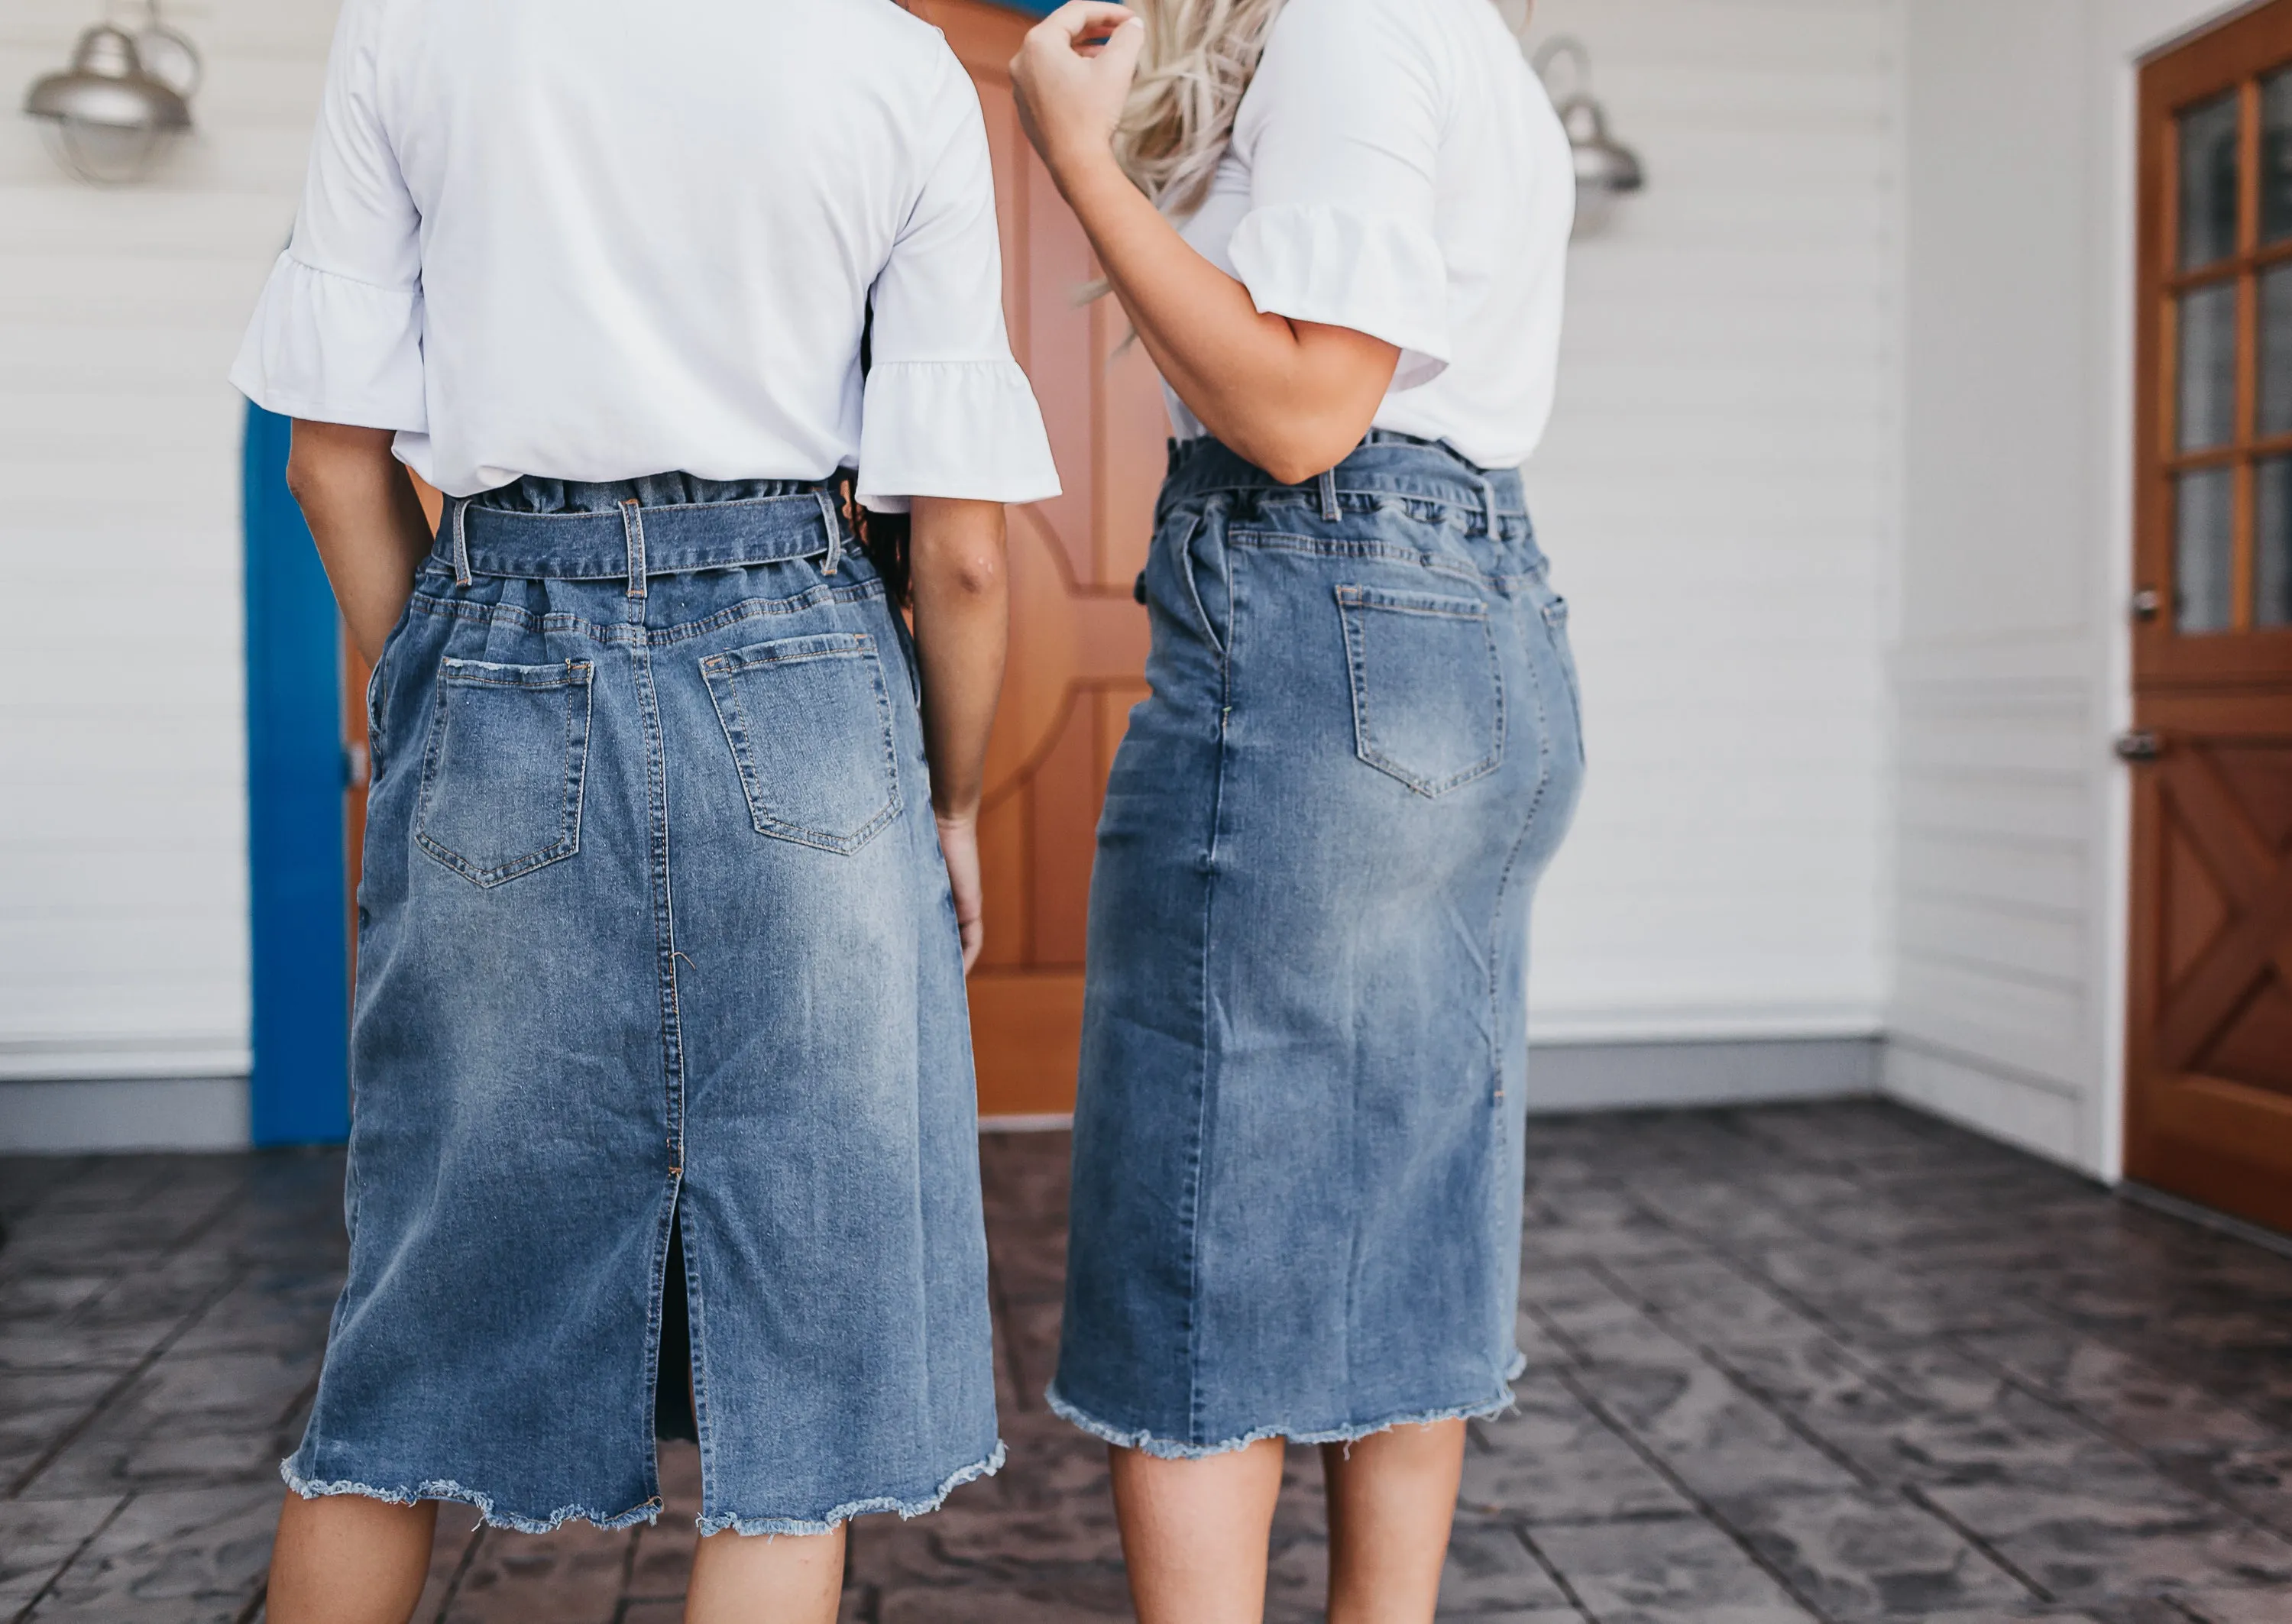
2011	665
123	868
1717	493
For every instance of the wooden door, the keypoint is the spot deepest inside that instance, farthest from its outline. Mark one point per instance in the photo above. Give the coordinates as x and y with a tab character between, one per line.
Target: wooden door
1077	637
2209	1052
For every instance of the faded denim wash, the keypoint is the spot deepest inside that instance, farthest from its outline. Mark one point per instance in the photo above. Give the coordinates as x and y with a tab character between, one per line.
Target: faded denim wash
1297	1159
654	926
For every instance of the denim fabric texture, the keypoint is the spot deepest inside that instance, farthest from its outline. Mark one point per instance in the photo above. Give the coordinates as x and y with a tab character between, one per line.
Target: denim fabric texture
654	927
1297	1157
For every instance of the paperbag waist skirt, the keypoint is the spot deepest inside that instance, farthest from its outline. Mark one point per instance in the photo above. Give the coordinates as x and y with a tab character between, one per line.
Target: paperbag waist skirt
654	930
1297	1156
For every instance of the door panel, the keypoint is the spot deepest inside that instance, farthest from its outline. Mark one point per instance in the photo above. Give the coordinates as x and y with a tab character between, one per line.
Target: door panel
2209	1050
1077	639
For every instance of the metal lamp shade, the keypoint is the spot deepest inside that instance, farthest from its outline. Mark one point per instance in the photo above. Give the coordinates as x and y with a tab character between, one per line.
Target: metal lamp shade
108	118
1602	163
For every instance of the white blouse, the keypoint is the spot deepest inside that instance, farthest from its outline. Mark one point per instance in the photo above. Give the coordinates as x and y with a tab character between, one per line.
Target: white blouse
1396	168
592	239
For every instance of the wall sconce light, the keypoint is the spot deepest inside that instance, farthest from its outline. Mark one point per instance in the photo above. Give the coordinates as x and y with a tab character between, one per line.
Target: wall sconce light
113	113
1605	168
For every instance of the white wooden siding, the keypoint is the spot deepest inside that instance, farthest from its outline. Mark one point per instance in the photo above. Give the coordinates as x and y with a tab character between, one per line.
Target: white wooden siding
2010	668
123	864
1716	493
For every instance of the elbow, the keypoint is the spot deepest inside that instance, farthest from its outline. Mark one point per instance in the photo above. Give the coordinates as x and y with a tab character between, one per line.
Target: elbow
973	573
1299	446
1296	455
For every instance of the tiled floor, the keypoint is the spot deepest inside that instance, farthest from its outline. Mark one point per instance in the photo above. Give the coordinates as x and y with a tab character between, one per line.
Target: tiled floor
1833	1362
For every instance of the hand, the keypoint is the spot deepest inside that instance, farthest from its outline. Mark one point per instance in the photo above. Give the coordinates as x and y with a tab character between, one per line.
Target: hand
1071	77
958	842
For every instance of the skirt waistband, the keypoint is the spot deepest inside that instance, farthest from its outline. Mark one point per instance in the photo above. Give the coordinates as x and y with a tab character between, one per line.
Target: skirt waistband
560	530
1386	463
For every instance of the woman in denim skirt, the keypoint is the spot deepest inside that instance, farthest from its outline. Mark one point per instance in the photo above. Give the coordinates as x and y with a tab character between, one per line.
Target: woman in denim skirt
1298	1162
664	1103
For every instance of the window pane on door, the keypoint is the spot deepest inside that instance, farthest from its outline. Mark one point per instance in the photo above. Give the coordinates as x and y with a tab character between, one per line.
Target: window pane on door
2272	550
2204	547
2208	181
2208	367
2275	412
2276	157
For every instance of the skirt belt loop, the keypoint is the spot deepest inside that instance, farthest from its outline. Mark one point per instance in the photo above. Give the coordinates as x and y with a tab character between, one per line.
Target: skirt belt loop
1328	482
834	520
462	577
632	533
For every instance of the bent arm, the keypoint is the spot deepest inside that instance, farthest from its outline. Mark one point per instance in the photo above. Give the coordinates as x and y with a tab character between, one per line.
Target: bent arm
1293	396
360	504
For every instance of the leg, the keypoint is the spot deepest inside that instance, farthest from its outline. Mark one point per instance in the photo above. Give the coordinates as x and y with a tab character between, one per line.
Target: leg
1194	1533
1391	1497
766	1578
345	1559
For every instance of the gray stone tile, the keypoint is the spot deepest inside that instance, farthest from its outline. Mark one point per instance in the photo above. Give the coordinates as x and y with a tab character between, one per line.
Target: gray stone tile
572	1576
2270	1606
459	1533
1492	1573
2117	1535
38	1411
38	1536
1718	1439
1102	1597
1674	1572
1870	1555
280	1310
1552	1459
182	1556
2137	1402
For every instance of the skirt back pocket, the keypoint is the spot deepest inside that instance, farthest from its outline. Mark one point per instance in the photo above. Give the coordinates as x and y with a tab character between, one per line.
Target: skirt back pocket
1428	694
501	780
810	723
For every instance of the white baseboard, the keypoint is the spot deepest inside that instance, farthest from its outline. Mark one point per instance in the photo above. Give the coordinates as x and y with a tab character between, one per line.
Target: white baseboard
53	1117
1647	1076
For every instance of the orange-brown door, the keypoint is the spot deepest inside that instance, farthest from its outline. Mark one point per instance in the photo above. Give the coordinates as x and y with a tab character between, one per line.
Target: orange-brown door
1077	639
2209	1054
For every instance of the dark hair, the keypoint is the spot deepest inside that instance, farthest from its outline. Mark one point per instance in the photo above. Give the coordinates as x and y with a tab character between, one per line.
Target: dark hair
884	537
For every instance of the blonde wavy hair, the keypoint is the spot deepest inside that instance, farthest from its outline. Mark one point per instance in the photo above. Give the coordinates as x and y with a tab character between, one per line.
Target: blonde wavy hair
1199	58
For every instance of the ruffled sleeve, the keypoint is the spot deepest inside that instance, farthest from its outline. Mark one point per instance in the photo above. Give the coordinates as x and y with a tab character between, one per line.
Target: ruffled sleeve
1376	273
1341	129
333	349
947	411
337	335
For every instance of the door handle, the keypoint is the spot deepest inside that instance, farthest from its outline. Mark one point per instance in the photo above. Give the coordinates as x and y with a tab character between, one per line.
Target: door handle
2139	744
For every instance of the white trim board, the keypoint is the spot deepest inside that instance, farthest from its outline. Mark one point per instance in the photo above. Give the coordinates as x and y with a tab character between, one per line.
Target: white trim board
57	1117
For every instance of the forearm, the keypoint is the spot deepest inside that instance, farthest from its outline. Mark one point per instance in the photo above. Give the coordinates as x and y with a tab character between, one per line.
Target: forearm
1290	396
363	512
961	595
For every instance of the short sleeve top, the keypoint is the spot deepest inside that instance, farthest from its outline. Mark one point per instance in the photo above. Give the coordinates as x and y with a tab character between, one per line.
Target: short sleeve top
1396	168
591	240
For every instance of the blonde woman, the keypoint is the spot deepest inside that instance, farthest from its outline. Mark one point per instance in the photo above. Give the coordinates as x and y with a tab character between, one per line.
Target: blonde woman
1338	226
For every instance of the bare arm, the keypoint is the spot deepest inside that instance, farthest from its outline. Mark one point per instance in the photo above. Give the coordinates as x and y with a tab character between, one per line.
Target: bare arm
1293	396
962	619
359	503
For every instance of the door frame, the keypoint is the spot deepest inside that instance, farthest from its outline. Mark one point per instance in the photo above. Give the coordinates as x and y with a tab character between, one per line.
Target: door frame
298	1090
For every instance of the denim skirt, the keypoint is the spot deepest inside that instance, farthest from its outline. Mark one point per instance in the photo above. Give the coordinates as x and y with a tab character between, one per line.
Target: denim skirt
1297	1160
654	934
